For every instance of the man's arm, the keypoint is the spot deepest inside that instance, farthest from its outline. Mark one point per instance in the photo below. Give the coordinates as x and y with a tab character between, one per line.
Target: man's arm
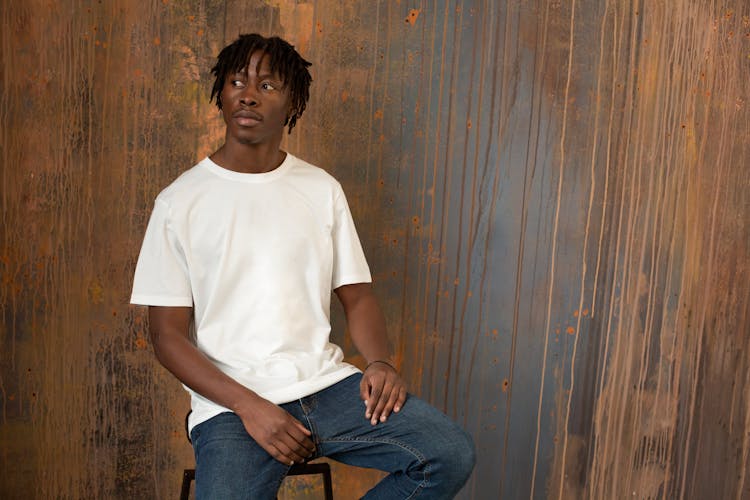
382	388
275	430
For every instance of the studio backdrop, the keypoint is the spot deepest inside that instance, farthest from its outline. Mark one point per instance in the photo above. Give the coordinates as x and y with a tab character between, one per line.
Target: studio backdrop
553	196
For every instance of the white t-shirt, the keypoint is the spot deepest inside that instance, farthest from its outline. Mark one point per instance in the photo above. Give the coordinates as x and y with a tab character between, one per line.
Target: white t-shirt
256	256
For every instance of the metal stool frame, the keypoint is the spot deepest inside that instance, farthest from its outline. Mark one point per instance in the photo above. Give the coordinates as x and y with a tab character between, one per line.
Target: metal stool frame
188	475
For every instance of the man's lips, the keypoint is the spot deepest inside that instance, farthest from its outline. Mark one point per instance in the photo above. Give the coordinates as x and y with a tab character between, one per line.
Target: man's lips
247	118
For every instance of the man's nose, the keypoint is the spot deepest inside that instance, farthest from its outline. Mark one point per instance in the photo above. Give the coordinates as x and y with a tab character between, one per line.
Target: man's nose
249	96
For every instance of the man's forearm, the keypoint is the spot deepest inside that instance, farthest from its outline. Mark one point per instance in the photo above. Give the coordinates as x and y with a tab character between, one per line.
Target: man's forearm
381	388
365	321
169	328
180	356
368	332
275	430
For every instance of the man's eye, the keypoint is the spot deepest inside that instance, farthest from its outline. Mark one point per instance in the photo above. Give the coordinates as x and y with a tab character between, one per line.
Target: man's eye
238	83
267	86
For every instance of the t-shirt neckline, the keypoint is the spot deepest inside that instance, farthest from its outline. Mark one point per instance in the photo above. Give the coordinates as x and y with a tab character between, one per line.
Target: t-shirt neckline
269	176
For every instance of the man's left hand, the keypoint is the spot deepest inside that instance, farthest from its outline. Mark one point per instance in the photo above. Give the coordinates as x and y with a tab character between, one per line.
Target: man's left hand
382	390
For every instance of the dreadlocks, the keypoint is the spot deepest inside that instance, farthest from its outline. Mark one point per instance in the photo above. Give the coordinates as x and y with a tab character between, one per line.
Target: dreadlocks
283	59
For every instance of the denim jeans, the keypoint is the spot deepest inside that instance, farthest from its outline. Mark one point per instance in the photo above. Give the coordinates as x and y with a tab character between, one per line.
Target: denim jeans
425	453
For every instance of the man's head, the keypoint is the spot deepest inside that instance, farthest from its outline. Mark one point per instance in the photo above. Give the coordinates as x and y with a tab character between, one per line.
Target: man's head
282	58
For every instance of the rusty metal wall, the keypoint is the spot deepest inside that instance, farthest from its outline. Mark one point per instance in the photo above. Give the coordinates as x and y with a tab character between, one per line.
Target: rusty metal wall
553	196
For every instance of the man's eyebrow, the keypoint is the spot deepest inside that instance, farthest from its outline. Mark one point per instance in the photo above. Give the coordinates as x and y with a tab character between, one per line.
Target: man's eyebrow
273	76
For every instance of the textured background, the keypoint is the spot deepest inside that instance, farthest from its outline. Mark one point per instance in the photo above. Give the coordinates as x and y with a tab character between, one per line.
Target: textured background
554	197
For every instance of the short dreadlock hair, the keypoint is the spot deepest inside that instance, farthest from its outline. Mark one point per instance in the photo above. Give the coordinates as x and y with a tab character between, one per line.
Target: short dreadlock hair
283	59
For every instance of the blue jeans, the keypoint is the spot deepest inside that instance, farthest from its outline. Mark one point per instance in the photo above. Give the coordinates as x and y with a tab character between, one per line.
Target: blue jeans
425	453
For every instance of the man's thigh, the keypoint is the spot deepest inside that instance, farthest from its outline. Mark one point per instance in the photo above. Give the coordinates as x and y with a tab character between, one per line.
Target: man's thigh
230	464
418	435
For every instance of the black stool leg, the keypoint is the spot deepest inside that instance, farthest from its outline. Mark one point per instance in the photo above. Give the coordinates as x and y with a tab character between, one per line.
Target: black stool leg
187	477
316	468
327	484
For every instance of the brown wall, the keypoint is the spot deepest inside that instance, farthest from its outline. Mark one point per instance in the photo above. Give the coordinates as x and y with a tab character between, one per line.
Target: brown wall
553	196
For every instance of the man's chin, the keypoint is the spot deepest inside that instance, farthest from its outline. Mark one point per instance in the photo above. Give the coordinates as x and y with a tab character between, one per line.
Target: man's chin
257	140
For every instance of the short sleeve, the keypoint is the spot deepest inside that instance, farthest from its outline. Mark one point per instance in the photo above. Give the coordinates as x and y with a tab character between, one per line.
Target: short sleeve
349	263
161	275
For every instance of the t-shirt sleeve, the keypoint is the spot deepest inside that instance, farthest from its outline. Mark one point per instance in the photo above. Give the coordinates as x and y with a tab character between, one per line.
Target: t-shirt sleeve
349	263
161	275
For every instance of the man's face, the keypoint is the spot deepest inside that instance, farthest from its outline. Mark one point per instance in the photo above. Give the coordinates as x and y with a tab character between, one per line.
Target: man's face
255	103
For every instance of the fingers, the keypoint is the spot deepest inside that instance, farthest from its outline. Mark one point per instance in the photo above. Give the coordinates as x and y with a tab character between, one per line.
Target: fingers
364	390
400	400
391	401
304	430
281	435
366	394
386	393
374	401
379	414
291	445
391	404
303	440
287	455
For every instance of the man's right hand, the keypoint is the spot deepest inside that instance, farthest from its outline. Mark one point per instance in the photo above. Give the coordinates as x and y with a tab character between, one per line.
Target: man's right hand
276	431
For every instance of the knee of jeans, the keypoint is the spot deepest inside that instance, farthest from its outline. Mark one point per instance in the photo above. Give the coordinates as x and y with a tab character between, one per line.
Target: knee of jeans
463	456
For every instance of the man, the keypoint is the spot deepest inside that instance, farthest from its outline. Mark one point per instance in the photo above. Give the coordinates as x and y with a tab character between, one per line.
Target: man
247	246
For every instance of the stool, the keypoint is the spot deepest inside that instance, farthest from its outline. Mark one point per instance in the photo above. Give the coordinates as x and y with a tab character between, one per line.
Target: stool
188	476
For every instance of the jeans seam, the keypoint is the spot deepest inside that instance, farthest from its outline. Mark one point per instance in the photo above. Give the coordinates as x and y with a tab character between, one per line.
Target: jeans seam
422	460
222	438
313	431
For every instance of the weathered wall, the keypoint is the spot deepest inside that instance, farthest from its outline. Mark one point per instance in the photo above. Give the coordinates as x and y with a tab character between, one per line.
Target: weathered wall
553	196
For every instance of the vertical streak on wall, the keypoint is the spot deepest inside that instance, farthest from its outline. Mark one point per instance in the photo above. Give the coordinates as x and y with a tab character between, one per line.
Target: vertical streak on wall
90	133
667	390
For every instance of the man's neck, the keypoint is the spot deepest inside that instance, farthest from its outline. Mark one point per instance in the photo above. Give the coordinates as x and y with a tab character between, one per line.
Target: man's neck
249	159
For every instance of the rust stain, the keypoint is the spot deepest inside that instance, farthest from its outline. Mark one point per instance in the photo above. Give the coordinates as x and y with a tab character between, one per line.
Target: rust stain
412	17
